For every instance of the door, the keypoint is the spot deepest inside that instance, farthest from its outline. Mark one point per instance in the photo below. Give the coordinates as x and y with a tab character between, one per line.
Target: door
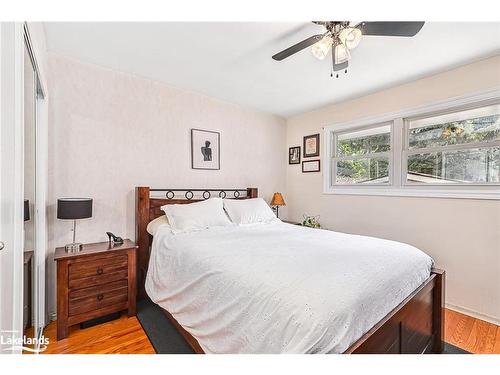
29	181
11	184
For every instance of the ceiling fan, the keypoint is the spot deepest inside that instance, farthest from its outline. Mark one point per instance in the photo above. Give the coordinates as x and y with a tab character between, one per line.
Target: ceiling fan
342	36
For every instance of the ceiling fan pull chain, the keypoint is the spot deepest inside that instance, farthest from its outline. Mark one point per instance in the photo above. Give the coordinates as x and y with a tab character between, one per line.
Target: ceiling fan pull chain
333	64
331	71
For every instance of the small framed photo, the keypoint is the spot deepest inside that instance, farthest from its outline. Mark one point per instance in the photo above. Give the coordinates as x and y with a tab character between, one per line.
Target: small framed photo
310	166
205	149
311	145
294	155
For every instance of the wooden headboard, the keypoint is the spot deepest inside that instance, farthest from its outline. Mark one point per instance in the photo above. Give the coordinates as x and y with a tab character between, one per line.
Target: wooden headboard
148	204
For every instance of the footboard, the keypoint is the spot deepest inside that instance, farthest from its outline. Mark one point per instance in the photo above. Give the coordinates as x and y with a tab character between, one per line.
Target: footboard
415	326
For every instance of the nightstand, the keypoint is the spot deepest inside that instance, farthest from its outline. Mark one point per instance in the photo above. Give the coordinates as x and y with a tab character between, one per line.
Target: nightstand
291	222
96	281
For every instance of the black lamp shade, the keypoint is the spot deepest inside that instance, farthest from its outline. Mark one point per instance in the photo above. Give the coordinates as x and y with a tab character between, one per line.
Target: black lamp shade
26	210
74	208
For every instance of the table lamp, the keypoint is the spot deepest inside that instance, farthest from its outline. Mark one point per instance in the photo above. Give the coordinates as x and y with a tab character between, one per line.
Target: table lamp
277	201
74	209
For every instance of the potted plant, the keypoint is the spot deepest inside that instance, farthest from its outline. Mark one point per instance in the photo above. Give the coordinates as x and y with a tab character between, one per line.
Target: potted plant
311	221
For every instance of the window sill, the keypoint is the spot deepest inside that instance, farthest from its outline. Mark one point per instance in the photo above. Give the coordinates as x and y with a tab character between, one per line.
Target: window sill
492	193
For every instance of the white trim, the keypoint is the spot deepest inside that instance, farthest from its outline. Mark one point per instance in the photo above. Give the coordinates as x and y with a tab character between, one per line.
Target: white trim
385	190
398	186
12	56
18	279
31	51
325	155
463	310
40	210
457	101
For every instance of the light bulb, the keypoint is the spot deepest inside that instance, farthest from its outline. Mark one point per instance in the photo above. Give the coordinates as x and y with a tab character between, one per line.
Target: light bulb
341	54
320	49
350	36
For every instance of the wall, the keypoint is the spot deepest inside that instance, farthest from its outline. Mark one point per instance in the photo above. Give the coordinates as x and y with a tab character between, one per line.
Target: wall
462	235
111	131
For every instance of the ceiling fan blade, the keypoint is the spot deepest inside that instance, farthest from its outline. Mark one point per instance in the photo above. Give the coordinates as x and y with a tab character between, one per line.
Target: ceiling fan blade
390	28
297	47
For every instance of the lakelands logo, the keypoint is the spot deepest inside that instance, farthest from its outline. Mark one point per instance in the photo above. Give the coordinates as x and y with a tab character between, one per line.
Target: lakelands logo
29	344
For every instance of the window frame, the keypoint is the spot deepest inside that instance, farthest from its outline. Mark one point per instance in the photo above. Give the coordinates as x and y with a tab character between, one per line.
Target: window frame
406	152
398	158
389	154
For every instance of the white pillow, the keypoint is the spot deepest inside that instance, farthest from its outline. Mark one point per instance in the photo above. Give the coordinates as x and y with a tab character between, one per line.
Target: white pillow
248	211
156	223
195	216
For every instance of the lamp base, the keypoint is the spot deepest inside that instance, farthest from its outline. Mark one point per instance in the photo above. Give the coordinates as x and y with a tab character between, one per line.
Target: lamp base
73	247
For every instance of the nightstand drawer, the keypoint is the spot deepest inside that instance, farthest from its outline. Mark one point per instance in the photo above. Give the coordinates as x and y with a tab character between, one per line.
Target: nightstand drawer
97	301
98	289
104	278
95	266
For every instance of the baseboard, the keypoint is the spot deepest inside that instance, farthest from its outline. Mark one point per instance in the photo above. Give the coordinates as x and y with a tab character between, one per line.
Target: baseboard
474	314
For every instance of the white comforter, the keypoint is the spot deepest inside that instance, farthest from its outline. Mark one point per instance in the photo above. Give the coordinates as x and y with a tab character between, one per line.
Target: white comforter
280	288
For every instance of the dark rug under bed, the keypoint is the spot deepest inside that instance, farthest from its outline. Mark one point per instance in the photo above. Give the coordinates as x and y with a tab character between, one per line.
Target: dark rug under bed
166	340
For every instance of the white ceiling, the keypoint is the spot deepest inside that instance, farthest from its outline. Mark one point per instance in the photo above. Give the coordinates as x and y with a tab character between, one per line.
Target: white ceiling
232	61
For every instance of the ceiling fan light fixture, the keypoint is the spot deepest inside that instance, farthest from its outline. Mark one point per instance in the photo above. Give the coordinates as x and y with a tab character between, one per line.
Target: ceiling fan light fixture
350	37
341	54
321	48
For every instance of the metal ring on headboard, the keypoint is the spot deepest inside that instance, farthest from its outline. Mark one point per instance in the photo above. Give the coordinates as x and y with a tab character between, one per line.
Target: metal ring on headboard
189	195
206	196
222	194
170	194
236	194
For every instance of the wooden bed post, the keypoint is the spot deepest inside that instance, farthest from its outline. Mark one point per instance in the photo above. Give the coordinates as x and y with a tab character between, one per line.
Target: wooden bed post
142	237
438	311
252	192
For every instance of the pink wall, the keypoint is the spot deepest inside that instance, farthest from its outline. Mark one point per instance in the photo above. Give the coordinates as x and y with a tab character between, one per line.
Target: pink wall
462	235
111	131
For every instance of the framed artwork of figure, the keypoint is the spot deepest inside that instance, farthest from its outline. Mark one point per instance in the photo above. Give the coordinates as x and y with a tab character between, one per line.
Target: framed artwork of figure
205	149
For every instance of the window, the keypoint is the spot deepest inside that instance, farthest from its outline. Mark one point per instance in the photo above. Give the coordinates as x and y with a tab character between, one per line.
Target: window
363	156
455	148
450	149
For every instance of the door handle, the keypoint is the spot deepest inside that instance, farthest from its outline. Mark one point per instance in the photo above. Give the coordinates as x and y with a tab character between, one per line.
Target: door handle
2	245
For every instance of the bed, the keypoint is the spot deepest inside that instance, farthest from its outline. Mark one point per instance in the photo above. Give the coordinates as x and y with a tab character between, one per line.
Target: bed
280	288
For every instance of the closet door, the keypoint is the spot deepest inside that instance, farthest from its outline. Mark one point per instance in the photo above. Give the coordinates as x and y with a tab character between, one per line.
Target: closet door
30	227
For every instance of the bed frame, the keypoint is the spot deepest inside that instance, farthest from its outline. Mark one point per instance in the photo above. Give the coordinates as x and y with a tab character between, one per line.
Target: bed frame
416	325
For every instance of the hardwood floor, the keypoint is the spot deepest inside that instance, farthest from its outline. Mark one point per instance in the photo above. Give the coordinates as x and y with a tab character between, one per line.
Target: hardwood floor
471	334
126	336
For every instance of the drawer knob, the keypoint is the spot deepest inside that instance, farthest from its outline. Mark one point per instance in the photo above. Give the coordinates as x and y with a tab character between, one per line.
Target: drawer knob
99	271
100	297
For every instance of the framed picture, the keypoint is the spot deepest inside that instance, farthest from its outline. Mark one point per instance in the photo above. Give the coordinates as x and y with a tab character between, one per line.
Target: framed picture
310	166
311	145
205	149
294	155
